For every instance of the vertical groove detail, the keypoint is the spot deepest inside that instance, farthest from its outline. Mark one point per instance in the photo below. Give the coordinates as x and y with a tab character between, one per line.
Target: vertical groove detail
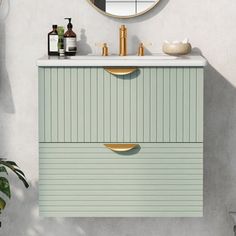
151	105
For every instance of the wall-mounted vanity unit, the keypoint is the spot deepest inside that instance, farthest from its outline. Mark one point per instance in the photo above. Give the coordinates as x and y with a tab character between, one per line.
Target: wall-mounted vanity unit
121	136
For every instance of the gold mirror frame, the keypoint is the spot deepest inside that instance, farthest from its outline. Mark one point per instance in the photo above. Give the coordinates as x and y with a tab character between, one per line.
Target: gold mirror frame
123	17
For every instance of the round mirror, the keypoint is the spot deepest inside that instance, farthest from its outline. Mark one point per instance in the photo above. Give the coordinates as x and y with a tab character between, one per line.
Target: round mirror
123	8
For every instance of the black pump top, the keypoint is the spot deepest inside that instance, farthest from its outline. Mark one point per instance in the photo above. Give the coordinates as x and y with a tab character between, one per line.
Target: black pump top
69	26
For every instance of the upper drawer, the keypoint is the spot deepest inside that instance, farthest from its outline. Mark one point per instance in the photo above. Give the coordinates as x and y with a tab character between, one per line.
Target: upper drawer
92	105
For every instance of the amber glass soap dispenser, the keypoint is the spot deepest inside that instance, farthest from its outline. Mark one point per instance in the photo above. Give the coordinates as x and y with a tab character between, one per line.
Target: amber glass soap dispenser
70	42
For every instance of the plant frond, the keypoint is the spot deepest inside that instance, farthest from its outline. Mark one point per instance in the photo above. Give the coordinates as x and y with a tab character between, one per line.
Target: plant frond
2	204
3	169
12	165
5	186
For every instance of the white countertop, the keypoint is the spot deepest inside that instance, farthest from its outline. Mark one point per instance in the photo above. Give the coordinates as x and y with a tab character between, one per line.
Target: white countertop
191	60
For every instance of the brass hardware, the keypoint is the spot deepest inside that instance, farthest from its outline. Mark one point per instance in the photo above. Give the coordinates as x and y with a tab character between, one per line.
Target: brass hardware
104	47
123	41
141	49
120	71
121	147
104	50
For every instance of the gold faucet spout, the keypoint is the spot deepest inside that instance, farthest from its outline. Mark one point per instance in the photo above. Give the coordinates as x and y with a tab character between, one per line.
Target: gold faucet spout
123	41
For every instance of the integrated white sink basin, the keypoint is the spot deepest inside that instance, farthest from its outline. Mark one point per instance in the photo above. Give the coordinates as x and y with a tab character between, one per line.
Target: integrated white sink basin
157	56
154	60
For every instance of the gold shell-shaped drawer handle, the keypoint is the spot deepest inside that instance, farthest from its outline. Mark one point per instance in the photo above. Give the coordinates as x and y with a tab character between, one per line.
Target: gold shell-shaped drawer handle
120	70
121	147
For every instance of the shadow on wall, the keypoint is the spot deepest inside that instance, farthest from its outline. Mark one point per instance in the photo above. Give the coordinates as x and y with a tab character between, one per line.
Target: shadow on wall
21	215
219	151
6	100
82	45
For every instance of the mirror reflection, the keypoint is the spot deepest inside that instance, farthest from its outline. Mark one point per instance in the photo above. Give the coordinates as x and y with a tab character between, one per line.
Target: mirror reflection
124	8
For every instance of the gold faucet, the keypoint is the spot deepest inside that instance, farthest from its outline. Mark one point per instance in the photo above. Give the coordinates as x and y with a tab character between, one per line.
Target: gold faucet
123	41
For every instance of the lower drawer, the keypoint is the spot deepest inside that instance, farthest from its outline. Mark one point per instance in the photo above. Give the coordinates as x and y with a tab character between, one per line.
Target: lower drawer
152	180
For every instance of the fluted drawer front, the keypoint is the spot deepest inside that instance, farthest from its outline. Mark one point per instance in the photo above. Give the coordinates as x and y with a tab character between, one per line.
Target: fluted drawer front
91	180
149	105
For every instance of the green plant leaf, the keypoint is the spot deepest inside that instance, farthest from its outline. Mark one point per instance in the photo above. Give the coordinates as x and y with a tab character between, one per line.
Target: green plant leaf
13	166
23	180
3	169
11	163
4	183
2	204
5	186
19	171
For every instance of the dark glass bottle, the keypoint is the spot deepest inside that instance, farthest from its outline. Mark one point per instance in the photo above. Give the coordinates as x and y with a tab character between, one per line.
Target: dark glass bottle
53	42
70	42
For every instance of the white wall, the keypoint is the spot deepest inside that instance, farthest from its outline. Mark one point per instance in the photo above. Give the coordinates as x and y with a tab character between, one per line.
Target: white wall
210	25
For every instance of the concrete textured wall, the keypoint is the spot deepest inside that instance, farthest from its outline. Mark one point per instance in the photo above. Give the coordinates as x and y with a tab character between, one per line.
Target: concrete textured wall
210	25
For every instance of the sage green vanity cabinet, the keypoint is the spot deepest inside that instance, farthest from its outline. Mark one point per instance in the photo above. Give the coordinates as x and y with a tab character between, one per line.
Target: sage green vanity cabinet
158	108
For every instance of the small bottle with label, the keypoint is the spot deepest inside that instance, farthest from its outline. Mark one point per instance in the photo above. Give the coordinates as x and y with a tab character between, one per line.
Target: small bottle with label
61	49
70	43
53	42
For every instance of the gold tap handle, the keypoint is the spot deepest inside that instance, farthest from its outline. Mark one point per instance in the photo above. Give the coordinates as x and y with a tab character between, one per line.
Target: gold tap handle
121	147
141	49
105	50
100	45
121	70
104	46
